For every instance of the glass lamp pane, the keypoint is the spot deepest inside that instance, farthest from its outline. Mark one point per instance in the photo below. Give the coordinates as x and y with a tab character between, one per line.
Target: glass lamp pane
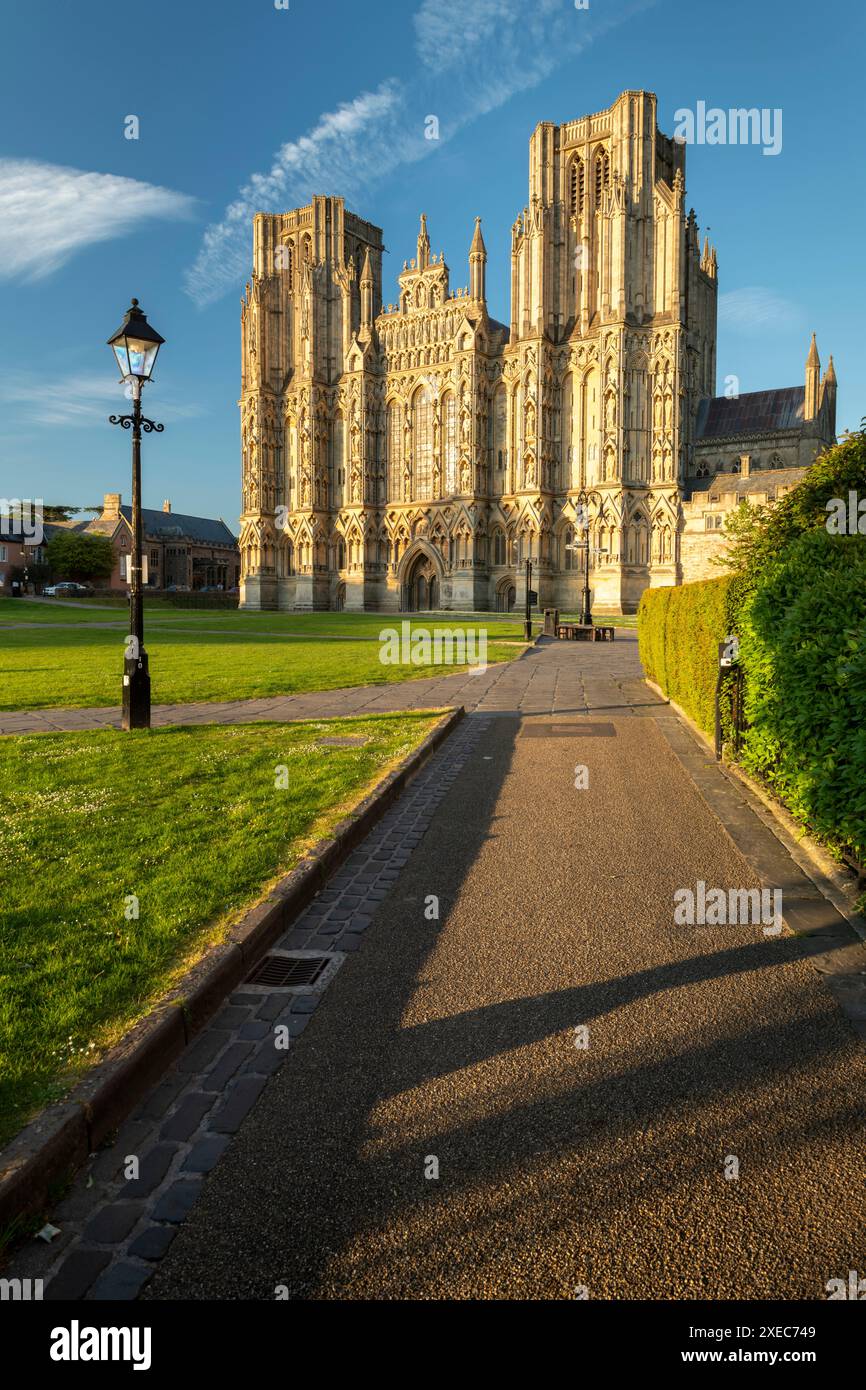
122	360
142	355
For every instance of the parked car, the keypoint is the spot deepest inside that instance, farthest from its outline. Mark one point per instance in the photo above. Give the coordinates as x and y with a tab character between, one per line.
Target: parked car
67	588
177	589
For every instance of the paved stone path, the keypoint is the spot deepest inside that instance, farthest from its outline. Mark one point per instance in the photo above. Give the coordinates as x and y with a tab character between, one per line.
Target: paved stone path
579	1072
558	676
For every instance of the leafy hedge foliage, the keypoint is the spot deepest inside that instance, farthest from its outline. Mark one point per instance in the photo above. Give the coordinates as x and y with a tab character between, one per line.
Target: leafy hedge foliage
803	651
679	631
796	595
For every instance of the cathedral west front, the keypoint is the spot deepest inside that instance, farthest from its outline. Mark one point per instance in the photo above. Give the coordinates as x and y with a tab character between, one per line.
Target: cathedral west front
415	455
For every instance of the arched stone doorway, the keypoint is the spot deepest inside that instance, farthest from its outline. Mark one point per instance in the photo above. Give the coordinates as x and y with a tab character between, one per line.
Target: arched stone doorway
506	596
421	585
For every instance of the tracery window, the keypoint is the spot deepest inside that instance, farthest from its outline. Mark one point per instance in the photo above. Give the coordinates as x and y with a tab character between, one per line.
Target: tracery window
395	452
576	187
422	442
449	426
569	554
602	175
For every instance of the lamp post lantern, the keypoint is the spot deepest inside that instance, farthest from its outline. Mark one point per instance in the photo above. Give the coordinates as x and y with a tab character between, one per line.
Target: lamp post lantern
135	346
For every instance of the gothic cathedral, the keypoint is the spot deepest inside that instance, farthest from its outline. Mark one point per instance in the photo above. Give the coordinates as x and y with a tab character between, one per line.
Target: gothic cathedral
416	457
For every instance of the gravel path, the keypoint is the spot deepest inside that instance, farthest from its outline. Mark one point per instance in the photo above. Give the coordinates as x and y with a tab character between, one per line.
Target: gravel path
452	1044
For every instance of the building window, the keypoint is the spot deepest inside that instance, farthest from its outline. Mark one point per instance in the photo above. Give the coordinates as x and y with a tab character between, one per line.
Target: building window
602	175
422	442
450	430
4	553
498	547
576	187
395	452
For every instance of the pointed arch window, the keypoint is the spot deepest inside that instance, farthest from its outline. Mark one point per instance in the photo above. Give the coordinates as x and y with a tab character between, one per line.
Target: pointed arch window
602	175
450	450
395	452
422	443
576	187
569	554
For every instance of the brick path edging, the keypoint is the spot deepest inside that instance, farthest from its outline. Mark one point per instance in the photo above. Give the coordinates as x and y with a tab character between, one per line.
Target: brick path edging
57	1141
838	886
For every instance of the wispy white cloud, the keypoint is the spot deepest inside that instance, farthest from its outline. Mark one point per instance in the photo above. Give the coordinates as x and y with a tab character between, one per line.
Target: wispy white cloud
472	57
73	399
349	147
449	33
755	309
48	212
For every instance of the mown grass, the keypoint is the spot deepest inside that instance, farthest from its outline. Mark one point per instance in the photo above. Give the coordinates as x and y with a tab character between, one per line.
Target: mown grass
197	657
190	821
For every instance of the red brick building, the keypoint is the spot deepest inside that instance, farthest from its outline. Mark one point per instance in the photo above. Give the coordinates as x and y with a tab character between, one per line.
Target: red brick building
187	552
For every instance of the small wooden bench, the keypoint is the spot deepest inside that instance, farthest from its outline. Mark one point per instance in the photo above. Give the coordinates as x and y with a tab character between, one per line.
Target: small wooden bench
583	632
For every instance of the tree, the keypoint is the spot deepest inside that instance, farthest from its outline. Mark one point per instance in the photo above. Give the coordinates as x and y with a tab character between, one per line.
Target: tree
759	535
80	557
58	511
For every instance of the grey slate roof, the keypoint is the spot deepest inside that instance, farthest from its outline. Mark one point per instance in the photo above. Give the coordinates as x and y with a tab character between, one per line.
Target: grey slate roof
755	412
761	480
165	525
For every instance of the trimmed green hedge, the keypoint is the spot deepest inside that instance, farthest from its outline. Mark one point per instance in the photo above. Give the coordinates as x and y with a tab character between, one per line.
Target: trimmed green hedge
679	631
803	652
796	597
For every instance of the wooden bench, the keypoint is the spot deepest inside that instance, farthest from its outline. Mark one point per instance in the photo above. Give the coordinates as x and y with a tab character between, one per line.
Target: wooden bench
582	632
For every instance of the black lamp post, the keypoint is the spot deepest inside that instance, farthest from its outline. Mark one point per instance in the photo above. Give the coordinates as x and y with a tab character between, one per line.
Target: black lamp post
583	499
135	345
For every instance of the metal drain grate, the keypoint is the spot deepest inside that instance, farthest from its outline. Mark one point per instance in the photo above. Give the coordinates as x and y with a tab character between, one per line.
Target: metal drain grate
288	972
570	730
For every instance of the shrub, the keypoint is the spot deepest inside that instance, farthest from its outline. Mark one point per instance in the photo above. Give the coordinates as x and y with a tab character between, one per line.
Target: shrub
796	595
679	631
803	651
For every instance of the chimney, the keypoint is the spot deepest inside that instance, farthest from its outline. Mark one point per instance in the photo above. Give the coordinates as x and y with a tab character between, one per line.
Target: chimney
111	506
166	506
745	465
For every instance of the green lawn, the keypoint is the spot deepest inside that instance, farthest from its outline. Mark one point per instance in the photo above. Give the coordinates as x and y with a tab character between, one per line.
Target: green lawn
187	819
208	656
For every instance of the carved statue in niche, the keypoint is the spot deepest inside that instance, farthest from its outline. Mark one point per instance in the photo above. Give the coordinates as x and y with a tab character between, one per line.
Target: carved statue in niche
465	476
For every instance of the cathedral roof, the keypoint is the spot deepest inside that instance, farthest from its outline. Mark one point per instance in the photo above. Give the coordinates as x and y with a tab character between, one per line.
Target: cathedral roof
755	412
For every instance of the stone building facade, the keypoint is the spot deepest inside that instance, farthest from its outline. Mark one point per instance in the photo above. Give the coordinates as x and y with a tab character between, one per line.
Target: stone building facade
417	456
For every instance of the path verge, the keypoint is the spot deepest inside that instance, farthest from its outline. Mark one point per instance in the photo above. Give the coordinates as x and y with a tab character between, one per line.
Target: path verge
43	1157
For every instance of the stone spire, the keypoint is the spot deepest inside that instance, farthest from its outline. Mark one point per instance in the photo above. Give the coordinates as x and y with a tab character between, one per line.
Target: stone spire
366	283
423	244
828	394
477	265
813	382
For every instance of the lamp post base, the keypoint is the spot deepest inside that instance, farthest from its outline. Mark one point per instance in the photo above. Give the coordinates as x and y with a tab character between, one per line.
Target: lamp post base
136	694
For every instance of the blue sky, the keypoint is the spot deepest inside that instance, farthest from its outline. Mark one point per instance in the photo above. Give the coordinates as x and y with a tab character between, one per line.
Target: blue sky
243	106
